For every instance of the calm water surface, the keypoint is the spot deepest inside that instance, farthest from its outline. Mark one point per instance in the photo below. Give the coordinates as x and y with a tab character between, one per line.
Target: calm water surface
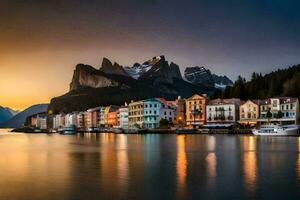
108	166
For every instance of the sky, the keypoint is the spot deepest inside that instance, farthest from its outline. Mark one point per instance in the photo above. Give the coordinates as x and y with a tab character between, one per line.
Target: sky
42	41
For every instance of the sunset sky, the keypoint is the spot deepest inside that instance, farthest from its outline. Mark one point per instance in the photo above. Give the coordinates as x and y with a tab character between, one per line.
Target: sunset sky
41	41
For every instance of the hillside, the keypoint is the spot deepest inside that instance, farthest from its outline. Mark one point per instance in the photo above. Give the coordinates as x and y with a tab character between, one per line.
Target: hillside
18	120
6	114
283	82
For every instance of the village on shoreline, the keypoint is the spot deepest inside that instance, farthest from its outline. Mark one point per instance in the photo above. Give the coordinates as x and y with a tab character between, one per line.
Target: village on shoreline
196	114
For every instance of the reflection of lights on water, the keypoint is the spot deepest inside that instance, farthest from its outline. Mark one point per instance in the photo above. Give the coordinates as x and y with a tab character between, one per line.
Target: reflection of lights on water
122	160
211	143
249	163
181	161
211	160
298	163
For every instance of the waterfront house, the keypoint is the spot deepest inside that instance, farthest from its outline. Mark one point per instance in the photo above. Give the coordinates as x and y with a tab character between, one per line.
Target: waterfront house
136	114
195	111
95	117
123	117
281	110
71	119
80	121
181	112
110	116
41	121
112	119
59	121
249	113
222	111
87	120
102	116
156	109
37	121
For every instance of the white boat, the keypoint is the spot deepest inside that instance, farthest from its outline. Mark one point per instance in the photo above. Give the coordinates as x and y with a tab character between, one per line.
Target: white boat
276	130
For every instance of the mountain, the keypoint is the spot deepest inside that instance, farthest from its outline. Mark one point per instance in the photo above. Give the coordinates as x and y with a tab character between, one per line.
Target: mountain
154	67
6	114
18	120
201	75
283	82
114	84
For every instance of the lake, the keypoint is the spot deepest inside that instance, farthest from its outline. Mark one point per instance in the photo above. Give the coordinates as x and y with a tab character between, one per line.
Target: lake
110	166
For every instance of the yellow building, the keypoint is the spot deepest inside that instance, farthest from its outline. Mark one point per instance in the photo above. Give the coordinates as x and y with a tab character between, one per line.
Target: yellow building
249	113
195	111
136	114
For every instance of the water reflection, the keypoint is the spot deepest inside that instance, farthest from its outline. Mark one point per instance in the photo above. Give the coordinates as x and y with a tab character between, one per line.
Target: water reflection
181	165
298	164
250	163
109	166
122	162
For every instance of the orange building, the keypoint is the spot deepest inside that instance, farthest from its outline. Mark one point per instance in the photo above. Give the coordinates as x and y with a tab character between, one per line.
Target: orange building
112	119
111	116
196	110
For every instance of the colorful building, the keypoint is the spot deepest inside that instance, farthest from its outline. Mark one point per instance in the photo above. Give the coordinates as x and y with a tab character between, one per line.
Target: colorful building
222	111
196	111
281	110
181	112
156	109
111	116
71	119
123	117
249	113
80	121
136	114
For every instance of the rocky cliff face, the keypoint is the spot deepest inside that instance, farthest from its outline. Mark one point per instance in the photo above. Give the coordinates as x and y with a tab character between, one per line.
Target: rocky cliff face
109	68
87	76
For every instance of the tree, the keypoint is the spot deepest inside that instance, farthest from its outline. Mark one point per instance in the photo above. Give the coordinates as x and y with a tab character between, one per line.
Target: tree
269	115
279	114
163	123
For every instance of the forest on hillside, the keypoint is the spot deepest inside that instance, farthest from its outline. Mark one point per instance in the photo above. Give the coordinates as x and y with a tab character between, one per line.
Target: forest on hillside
283	82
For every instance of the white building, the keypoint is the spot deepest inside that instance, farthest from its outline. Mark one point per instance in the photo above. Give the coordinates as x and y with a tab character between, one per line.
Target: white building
123	117
282	110
156	109
41	121
58	121
71	120
222	111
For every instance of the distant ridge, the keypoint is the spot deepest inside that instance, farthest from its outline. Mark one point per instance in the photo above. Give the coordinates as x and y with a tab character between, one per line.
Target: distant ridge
18	120
6	114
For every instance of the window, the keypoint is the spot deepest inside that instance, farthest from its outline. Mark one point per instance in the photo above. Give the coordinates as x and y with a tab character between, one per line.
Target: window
165	113
150	105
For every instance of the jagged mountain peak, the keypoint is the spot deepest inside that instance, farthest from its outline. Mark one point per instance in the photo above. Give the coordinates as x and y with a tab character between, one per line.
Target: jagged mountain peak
109	68
157	67
202	75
